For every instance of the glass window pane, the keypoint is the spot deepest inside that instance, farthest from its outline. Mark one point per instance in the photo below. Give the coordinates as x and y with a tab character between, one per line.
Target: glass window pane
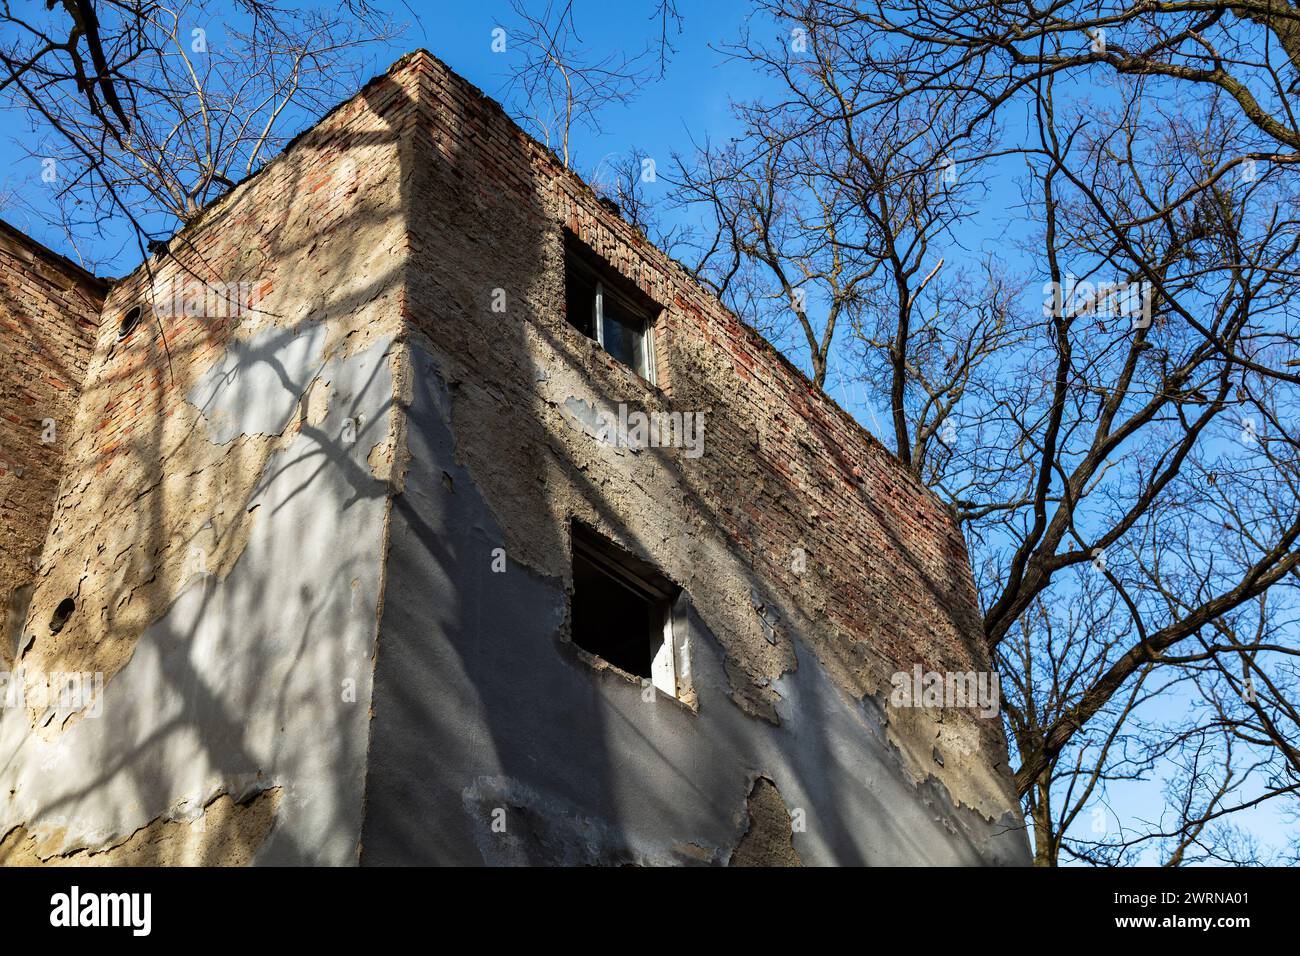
624	335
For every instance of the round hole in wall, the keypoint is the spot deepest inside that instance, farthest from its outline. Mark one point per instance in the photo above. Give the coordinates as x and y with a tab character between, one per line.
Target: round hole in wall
129	322
61	614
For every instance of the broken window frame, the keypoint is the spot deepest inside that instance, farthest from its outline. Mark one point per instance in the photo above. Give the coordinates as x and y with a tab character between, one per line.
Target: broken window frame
660	595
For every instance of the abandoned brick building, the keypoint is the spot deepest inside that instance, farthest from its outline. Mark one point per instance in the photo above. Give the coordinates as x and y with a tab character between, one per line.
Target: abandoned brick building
332	535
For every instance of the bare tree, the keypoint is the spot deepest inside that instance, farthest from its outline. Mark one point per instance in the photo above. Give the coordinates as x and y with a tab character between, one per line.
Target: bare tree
556	83
622	179
144	117
1119	447
829	215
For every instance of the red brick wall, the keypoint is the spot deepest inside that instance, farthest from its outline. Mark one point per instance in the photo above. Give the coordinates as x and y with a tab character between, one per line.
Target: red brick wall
49	311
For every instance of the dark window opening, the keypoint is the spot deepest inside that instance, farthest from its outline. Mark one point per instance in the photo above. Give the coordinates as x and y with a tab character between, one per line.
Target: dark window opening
603	306
129	322
622	610
611	620
580	301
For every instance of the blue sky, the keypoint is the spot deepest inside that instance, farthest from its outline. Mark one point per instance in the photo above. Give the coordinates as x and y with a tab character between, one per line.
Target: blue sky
693	96
692	100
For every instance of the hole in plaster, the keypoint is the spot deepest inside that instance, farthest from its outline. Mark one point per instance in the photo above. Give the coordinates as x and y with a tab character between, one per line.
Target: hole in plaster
61	614
129	322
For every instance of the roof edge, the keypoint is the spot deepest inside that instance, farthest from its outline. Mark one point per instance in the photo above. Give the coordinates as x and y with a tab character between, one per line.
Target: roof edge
100	284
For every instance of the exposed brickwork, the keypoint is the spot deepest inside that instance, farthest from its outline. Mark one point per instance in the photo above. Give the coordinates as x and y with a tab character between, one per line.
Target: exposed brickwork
49	313
394	222
888	581
314	237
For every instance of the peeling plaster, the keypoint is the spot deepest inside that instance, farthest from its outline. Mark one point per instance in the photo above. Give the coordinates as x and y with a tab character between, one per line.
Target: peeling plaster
225	833
769	839
479	707
239	686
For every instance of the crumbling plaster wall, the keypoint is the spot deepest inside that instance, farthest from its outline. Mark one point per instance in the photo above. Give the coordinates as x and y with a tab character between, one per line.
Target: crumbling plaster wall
49	312
480	702
221	527
495	741
346	455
